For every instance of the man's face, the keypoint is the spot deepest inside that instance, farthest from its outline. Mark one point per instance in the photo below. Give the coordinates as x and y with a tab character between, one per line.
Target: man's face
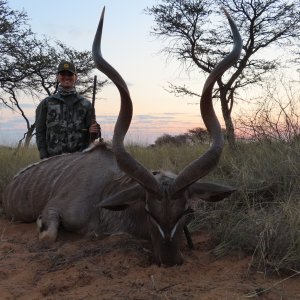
66	79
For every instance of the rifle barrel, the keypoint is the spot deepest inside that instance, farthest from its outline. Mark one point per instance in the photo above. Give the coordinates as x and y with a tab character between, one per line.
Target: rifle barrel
94	91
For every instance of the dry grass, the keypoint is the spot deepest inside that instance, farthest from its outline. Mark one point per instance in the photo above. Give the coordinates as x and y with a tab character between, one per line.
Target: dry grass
11	162
166	157
263	217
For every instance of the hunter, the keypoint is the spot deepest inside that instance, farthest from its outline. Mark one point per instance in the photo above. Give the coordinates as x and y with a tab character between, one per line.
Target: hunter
65	121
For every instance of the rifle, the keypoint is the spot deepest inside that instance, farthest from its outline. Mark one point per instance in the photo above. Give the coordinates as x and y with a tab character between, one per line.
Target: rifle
94	91
93	103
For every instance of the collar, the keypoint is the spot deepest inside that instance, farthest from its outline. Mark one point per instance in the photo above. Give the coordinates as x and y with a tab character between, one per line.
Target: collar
64	92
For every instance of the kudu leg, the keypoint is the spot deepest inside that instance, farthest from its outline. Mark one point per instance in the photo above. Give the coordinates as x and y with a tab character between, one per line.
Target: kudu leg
188	237
48	224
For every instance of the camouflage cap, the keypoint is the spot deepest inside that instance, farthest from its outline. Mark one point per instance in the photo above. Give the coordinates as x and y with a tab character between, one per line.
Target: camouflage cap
66	66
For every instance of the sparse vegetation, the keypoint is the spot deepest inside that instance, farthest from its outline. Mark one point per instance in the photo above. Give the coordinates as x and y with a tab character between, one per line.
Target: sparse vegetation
11	161
262	218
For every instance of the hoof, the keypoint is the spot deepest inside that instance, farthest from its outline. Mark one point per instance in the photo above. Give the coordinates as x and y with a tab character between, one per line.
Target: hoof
47	234
46	239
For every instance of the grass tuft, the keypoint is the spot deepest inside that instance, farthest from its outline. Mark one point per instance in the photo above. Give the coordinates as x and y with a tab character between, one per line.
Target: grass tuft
12	161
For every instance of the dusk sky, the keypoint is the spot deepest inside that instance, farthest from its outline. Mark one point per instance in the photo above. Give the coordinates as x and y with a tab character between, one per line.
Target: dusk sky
128	45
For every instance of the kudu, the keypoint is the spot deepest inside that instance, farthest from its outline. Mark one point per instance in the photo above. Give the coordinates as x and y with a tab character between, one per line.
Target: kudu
106	191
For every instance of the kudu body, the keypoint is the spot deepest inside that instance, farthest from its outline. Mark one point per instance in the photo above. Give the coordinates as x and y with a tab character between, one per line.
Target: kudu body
106	191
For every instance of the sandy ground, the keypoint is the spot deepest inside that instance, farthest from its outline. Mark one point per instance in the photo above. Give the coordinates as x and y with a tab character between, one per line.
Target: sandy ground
121	267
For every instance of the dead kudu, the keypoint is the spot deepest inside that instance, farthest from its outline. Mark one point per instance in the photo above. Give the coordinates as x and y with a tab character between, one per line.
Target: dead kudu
107	191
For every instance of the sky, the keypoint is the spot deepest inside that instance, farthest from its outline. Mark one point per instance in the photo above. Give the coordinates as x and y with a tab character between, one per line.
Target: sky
126	44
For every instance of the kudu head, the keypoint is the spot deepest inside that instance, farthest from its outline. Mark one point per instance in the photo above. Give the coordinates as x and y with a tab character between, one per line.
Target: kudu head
166	197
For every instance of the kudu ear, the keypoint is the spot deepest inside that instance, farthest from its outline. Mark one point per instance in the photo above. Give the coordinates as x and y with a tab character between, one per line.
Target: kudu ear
124	198
209	191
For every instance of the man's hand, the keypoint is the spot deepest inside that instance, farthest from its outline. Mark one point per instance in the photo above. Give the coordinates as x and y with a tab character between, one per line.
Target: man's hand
95	131
94	128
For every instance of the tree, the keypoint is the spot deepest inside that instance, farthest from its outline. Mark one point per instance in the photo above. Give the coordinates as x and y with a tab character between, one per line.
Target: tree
195	135
14	34
199	37
199	135
28	65
275	116
175	140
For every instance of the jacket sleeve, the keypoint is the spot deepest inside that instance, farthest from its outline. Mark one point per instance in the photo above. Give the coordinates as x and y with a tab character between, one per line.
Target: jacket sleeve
41	128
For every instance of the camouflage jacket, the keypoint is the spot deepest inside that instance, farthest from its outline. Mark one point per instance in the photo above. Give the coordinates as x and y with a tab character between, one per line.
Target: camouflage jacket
62	123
